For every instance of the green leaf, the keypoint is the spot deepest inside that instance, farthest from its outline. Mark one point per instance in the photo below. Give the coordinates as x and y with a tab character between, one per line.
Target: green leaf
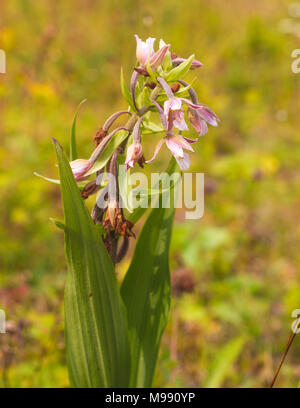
151	127
149	70
80	184
125	91
58	223
112	145
97	346
146	293
144	98
73	148
47	178
223	361
179	71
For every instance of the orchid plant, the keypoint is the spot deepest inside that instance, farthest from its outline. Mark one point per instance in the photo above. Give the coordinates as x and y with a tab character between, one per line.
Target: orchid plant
113	330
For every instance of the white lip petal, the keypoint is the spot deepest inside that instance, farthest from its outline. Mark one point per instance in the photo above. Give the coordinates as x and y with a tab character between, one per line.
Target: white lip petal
182	142
175	103
175	148
180	123
183	162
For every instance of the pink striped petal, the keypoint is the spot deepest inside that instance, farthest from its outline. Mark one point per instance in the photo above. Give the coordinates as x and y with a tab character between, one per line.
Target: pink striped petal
172	104
198	123
183	162
207	114
175	148
190	140
157	58
182	142
144	49
189	103
177	117
157	149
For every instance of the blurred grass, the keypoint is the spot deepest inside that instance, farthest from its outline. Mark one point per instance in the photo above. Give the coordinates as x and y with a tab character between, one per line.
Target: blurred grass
243	256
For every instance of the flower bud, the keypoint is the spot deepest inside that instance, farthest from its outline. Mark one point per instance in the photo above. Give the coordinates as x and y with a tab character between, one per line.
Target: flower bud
79	168
195	64
134	154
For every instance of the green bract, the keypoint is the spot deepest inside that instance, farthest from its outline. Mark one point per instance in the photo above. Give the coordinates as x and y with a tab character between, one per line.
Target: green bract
179	71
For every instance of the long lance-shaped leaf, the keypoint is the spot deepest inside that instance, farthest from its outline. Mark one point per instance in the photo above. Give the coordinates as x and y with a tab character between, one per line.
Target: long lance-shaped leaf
147	293
73	146
96	330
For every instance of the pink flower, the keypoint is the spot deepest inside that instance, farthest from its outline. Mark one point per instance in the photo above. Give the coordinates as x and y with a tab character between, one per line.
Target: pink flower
145	50
174	112
176	144
199	115
134	154
79	168
196	120
208	115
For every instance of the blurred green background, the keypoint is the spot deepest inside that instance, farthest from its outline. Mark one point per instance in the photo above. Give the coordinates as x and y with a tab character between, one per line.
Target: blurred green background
235	271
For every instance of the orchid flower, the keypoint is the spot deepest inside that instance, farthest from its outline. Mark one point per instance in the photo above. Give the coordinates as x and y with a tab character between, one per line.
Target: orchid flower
176	143
208	115
174	112
145	50
199	116
198	123
154	87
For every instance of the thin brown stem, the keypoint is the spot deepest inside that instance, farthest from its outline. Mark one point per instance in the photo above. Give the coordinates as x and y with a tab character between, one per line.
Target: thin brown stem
287	348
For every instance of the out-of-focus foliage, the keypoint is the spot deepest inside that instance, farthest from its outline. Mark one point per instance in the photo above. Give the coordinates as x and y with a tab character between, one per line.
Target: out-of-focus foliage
236	271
